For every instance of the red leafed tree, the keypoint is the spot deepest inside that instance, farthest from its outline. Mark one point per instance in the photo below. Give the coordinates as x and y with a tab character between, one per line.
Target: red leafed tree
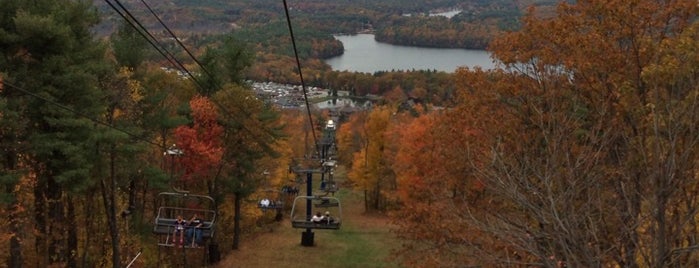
201	144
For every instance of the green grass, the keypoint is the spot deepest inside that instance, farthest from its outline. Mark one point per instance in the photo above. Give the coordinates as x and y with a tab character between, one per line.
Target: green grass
364	240
367	242
359	251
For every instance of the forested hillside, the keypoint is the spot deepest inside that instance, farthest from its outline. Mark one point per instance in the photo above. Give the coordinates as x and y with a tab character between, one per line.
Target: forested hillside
581	151
333	17
262	26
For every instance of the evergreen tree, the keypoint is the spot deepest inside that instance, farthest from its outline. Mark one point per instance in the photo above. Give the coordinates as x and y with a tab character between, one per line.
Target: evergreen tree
129	46
224	64
249	126
48	49
249	137
11	129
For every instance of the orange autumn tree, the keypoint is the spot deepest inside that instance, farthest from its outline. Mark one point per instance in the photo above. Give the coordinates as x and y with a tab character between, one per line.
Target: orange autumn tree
436	187
201	142
298	132
585	145
537	163
581	124
610	129
350	138
369	171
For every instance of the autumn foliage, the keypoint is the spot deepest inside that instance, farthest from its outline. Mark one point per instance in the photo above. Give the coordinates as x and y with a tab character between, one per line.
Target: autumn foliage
201	141
580	152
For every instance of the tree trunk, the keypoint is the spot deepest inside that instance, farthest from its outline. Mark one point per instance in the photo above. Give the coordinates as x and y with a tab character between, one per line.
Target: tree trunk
72	226
377	195
132	196
15	260
90	233
15	228
236	221
42	258
110	209
56	222
629	210
366	201
111	219
144	198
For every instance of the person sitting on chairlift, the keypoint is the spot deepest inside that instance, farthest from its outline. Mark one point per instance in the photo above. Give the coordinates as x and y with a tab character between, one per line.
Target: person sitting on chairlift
327	219
264	204
179	229
194	231
318	218
287	189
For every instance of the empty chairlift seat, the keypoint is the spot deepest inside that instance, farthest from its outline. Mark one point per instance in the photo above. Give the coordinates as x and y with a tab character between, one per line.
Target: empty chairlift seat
324	202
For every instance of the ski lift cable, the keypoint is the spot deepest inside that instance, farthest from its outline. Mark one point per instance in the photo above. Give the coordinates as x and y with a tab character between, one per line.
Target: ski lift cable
128	16
138	26
64	107
172	34
303	84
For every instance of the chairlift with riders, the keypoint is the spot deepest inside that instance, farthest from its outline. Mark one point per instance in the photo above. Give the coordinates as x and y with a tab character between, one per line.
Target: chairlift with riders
300	219
181	203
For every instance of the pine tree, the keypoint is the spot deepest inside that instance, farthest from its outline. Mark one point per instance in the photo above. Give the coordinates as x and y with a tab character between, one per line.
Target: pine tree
48	49
129	46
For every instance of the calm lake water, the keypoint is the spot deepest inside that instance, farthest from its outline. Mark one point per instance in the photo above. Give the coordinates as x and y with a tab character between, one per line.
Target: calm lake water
364	54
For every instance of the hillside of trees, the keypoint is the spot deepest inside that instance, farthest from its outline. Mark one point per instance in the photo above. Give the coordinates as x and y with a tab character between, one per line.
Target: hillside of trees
262	26
583	151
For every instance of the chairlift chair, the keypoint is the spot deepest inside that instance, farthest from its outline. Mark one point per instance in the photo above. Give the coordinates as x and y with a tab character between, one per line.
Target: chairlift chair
326	202
331	187
173	204
290	190
278	204
300	217
273	200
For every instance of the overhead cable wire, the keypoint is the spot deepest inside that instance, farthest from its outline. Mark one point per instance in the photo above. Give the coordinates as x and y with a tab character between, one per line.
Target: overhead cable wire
147	35
4	84
191	55
64	107
303	84
159	46
176	39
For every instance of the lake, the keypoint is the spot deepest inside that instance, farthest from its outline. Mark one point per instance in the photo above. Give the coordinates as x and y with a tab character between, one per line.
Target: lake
364	54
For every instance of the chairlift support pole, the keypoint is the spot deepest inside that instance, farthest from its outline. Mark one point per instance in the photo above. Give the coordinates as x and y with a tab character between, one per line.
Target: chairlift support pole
324	145
307	237
173	152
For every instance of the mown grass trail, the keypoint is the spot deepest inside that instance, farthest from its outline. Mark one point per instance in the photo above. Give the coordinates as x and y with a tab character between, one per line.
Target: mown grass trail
363	241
